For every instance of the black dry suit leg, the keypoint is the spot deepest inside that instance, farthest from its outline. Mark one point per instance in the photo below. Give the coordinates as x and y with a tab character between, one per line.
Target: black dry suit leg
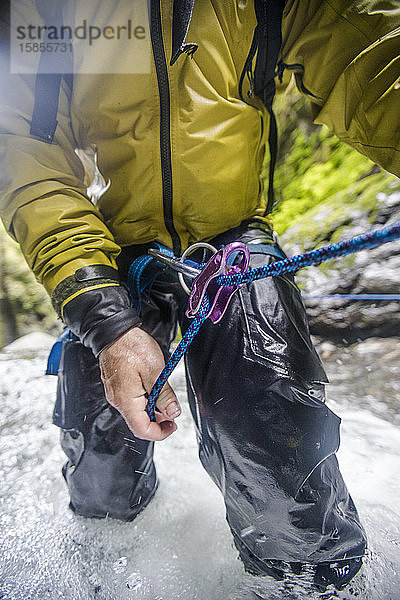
266	437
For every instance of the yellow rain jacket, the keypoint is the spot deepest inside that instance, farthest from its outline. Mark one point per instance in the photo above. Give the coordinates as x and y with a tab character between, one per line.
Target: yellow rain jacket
344	52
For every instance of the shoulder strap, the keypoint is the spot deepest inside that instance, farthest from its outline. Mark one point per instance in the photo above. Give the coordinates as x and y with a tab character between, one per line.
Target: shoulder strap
268	35
267	41
48	80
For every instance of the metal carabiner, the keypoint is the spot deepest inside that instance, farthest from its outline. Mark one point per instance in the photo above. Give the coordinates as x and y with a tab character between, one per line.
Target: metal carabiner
188	252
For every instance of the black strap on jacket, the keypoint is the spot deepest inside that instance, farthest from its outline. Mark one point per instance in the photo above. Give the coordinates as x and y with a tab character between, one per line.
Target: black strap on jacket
267	41
182	15
52	66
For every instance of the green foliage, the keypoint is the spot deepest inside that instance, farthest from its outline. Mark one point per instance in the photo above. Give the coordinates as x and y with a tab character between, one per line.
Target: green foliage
316	172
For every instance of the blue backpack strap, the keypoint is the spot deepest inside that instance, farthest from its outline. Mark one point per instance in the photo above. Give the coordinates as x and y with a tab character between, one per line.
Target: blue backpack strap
269	249
52	66
54	358
137	282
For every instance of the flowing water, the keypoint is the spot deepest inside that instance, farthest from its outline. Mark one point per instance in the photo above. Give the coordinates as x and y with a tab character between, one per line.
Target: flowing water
180	547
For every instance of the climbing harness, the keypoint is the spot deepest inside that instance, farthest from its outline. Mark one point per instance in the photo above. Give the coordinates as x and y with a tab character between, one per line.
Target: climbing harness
220	277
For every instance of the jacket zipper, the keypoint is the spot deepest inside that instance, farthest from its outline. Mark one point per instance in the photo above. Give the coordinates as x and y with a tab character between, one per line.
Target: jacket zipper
165	121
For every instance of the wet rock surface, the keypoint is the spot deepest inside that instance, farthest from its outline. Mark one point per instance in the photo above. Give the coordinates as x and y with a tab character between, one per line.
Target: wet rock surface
180	547
368	272
365	375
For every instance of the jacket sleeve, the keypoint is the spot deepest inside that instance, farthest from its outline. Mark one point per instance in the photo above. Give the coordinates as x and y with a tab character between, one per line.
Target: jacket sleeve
44	206
346	57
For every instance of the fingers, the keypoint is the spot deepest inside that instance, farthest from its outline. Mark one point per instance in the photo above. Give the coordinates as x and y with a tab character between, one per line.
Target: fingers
139	422
132	408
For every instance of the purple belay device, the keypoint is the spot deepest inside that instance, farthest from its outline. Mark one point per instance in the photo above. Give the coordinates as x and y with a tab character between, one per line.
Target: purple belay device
219	296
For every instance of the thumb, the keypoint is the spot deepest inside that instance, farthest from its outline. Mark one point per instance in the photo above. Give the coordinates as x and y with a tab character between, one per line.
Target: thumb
168	403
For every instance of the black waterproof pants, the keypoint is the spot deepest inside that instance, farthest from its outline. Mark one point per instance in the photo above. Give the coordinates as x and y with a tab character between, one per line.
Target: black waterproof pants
256	392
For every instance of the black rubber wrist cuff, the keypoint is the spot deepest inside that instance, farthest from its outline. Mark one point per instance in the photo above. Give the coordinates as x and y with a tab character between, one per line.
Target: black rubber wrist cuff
83	278
100	316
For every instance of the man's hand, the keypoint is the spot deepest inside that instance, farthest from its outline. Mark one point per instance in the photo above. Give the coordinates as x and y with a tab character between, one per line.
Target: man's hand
129	368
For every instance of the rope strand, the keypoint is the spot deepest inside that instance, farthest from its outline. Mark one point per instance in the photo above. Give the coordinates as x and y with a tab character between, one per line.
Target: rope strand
176	357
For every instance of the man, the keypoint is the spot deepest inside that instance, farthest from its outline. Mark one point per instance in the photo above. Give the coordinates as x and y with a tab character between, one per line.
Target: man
183	146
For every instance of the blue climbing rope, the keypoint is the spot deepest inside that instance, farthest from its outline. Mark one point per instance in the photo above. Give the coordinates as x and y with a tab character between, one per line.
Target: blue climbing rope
369	240
135	280
176	357
316	257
